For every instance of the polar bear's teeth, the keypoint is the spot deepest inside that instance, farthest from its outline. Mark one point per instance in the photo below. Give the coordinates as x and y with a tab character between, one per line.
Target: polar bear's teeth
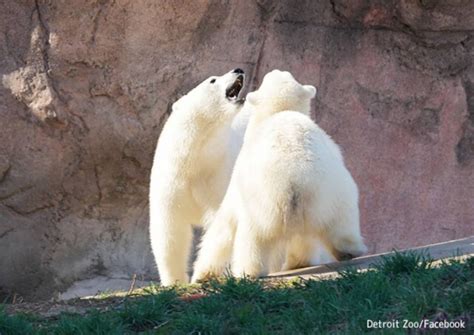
233	91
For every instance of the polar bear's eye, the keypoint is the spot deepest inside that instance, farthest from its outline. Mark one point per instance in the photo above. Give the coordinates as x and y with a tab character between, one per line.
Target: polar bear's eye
213	81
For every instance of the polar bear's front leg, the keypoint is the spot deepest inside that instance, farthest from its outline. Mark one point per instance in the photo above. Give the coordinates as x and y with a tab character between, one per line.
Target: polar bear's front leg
216	246
171	241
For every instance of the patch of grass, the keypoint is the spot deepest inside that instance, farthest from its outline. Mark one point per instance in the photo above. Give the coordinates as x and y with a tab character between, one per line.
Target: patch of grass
16	324
403	286
150	312
404	263
94	323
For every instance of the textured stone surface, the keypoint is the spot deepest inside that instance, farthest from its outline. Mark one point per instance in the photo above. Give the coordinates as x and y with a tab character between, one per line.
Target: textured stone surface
86	86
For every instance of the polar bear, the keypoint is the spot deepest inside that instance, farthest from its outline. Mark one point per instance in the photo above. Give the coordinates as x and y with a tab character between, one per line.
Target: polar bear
192	166
289	185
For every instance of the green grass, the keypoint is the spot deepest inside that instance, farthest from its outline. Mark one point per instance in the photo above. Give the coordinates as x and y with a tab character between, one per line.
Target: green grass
403	286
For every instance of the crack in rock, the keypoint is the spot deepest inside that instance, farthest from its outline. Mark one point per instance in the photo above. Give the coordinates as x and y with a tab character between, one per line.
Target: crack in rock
6	232
465	147
5	168
32	84
29	211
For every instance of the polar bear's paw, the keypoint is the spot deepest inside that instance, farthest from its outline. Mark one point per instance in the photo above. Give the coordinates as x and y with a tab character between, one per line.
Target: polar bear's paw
173	280
204	274
247	269
202	277
350	248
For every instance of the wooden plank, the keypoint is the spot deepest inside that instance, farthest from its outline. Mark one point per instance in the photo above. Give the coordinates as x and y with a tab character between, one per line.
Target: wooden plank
461	247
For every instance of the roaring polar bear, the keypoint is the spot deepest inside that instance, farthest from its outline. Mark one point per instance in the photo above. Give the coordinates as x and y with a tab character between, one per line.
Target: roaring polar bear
289	185
192	166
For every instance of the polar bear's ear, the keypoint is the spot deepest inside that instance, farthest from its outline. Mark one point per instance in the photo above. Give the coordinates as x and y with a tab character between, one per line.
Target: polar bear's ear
178	103
252	98
310	90
175	107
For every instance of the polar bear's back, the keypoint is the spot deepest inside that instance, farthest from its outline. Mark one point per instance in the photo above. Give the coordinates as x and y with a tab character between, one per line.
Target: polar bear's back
298	161
293	139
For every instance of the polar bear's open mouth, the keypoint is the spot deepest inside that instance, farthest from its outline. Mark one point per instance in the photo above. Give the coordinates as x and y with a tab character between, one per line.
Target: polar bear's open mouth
233	91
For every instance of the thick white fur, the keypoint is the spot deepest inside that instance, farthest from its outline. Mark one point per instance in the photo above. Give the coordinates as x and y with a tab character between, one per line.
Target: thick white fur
289	186
191	170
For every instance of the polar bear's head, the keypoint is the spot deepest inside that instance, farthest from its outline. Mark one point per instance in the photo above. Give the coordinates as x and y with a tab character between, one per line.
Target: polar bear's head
280	91
214	98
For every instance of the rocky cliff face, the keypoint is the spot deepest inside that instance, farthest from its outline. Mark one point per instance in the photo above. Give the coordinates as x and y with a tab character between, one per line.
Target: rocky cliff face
87	85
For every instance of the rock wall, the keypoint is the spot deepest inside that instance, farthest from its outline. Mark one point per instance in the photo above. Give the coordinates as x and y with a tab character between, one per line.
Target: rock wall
87	85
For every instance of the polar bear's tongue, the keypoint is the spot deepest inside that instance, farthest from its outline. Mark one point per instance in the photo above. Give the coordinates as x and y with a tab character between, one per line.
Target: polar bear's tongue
233	91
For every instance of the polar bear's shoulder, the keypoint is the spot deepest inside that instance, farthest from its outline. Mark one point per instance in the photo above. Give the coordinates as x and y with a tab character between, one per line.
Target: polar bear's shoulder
298	127
291	115
287	120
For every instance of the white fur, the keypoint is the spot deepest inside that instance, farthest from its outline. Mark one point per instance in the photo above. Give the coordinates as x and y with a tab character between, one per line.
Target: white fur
289	186
191	171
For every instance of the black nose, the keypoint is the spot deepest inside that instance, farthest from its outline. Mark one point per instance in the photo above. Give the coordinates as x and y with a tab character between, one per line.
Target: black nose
238	70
